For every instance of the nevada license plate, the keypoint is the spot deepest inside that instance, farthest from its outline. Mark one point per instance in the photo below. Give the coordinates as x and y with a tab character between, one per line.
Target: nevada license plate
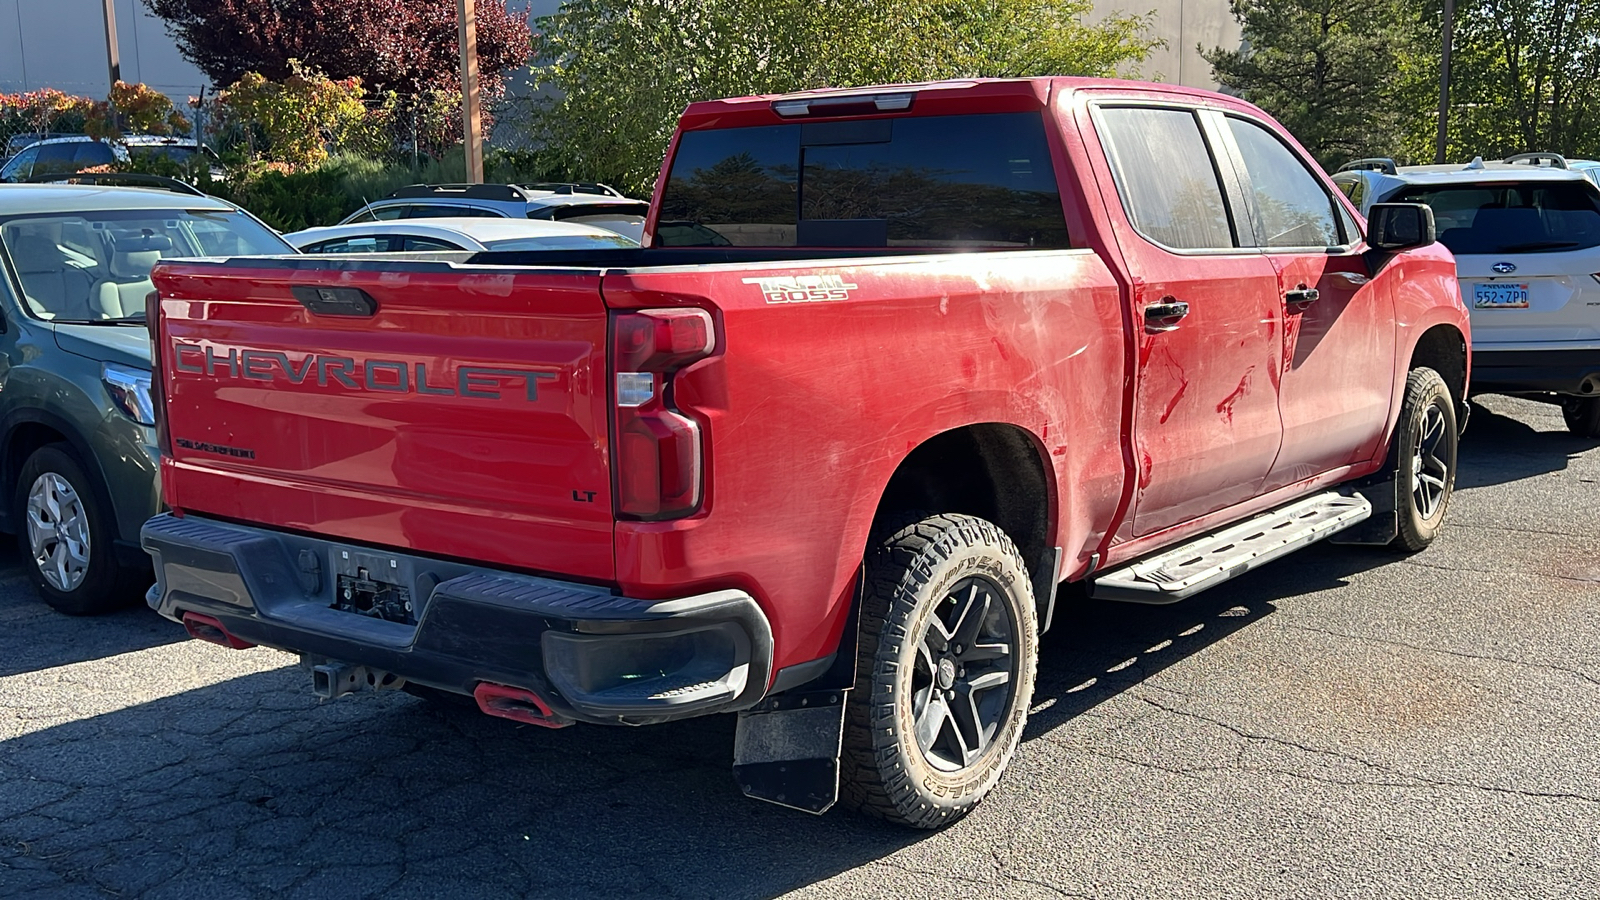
1500	296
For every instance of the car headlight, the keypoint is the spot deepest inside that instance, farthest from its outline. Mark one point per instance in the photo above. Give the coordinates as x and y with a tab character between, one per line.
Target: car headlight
130	391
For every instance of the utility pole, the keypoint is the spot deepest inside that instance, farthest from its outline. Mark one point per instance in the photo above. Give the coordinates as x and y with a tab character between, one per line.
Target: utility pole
113	60
1444	82
471	122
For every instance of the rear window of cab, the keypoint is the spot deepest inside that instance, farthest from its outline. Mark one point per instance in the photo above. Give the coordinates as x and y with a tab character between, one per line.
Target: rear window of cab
980	181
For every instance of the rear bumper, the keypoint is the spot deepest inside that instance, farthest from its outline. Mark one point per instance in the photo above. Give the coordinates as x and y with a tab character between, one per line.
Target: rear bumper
591	655
1514	371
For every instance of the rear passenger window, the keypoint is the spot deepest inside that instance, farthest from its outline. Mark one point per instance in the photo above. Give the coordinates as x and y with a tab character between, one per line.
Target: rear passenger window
1164	172
93	153
922	181
1293	208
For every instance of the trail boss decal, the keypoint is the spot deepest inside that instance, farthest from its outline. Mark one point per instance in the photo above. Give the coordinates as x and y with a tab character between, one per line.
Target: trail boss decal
385	375
803	288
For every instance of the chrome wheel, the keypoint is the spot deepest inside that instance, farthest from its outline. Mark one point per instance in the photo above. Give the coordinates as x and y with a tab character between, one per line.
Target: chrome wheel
962	680
58	532
1430	473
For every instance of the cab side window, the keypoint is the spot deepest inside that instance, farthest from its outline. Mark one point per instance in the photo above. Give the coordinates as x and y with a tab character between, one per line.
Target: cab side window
1166	177
1292	208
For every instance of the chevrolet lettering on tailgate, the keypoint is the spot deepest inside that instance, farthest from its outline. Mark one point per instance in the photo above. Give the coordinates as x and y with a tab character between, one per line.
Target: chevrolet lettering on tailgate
385	375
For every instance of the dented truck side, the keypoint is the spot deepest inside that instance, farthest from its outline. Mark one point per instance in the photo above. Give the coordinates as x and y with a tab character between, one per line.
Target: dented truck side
823	465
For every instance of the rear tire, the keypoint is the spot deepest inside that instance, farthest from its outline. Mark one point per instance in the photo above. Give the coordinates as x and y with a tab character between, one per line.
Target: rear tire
1582	415
945	671
67	539
1423	459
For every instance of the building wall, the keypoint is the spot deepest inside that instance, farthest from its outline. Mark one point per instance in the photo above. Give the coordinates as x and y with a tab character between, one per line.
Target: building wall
1186	26
62	44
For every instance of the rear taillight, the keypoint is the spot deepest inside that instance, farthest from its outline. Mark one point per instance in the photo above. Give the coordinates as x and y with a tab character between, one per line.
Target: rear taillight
659	461
158	379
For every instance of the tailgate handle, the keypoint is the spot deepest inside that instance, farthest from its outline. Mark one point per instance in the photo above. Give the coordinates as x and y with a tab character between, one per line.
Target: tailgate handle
335	301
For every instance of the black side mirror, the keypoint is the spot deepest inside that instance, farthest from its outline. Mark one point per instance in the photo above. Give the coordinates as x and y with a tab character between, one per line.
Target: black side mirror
1393	227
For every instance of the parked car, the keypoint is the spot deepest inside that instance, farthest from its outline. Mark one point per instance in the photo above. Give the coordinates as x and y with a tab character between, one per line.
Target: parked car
1525	232
826	468
19	142
583	204
78	152
411	235
77	446
1588	168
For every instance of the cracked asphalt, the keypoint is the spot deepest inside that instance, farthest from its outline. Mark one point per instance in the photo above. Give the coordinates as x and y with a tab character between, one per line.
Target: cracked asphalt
1343	723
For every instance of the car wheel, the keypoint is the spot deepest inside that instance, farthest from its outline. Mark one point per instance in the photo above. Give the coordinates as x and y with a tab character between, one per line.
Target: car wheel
945	671
1423	459
1582	415
66	536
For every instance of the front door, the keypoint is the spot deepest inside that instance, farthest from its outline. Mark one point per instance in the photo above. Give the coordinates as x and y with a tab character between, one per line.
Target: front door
1206	428
1338	339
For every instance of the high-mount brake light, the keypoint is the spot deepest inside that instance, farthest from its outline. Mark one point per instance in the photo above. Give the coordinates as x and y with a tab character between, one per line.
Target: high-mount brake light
844	104
659	450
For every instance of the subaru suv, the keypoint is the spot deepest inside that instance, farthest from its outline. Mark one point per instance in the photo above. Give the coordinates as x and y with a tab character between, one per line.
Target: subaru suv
1525	232
77	437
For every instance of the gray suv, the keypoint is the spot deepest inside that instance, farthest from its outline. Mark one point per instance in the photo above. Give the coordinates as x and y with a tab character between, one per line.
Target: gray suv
77	443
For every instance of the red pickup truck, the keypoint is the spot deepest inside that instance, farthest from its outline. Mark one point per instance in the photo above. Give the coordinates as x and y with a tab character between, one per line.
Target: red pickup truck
892	365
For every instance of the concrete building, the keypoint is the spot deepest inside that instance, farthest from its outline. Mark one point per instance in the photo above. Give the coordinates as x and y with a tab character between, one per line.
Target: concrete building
61	44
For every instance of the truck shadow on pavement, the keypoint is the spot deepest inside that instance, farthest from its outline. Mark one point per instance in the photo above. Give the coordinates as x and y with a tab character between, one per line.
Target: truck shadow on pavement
251	787
40	638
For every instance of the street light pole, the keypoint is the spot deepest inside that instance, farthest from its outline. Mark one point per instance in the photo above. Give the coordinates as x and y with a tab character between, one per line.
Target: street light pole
113	59
471	122
1444	82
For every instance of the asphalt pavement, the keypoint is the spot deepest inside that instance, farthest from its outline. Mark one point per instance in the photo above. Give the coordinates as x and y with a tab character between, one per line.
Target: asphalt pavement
1342	723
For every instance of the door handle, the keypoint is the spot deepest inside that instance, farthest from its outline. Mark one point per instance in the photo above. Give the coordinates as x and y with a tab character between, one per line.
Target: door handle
1302	297
1166	315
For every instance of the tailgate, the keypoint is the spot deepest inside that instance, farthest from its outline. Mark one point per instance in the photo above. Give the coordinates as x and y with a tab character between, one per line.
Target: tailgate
466	416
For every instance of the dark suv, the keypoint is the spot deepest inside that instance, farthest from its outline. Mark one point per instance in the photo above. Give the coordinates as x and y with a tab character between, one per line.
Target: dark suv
77	443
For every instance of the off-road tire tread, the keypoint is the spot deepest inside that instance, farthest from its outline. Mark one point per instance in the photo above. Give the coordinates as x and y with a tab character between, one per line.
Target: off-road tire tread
873	780
1422	386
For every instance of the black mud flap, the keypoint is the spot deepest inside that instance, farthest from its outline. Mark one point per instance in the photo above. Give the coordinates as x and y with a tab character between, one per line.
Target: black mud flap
786	750
1380	528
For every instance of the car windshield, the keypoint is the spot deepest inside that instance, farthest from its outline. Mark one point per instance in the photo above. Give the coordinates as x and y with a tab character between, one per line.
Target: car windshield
563	242
1525	217
95	267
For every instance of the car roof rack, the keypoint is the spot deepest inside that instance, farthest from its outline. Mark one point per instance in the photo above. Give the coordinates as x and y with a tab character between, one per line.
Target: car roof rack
572	187
466	191
1371	164
125	179
1556	160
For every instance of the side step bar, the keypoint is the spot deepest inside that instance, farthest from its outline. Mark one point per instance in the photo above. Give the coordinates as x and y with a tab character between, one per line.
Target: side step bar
1211	559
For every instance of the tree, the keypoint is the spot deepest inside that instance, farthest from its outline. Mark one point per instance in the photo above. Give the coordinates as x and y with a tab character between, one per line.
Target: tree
1327	69
405	46
617	73
1525	75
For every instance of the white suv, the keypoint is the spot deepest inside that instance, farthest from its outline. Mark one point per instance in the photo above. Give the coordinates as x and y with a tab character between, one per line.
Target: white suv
584	204
1525	232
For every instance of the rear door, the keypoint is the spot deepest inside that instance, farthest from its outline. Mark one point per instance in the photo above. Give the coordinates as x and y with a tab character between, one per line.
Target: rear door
1338	336
1206	426
465	417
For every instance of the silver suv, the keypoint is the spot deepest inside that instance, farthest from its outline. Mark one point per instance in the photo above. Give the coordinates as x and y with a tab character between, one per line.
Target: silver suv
585	204
1526	235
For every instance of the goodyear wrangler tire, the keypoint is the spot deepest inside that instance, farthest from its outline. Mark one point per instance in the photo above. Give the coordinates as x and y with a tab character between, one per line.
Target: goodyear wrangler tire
945	671
1424	459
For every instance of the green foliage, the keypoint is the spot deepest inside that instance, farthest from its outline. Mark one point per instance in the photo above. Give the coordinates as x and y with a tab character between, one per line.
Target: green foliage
1326	70
1525	75
294	121
617	73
